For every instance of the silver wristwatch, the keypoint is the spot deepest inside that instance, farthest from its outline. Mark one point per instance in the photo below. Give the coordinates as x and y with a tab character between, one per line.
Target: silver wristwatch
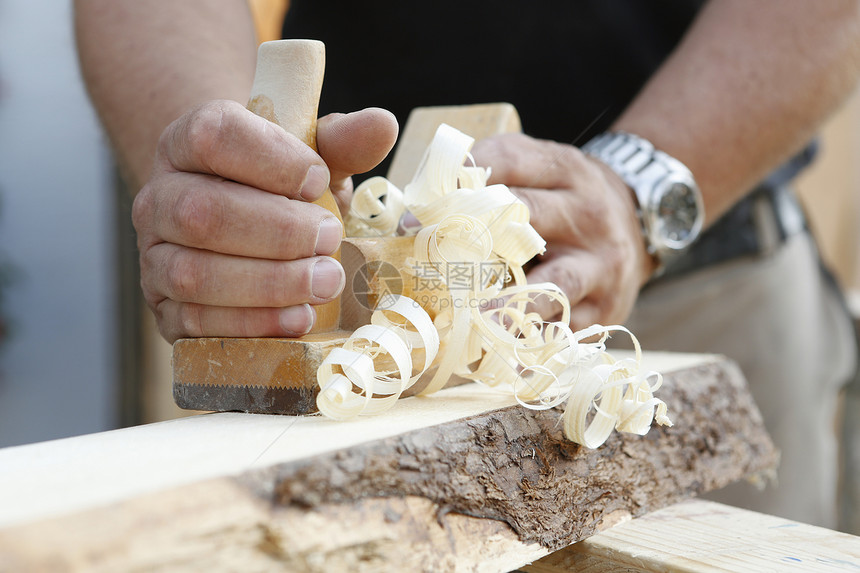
670	203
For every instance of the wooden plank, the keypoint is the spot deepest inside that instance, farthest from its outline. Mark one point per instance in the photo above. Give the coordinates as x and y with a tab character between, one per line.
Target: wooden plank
476	120
699	537
464	480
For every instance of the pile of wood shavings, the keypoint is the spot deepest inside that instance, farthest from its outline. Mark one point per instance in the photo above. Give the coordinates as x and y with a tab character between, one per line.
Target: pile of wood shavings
487	332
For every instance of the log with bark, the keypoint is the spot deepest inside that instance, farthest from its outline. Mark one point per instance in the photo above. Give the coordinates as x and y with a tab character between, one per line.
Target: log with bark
463	480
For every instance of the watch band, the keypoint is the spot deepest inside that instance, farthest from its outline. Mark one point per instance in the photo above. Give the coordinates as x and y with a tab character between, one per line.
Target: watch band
651	173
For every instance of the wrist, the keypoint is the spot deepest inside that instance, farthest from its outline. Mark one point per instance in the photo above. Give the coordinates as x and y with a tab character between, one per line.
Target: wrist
669	204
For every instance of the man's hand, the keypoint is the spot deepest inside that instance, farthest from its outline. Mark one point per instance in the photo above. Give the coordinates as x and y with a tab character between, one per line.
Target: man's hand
230	244
585	212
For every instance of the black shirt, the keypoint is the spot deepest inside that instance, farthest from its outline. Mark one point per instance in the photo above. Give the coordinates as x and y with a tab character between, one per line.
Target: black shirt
568	66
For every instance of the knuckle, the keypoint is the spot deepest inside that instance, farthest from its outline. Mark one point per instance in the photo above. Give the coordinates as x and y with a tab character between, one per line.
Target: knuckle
164	312
499	148
198	138
142	208
571	281
146	276
204	126
182	278
592	216
190	323
169	331
197	215
529	201
575	287
508	155
596	212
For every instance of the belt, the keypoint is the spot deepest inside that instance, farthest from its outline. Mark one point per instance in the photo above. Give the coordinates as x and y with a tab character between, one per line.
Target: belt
756	226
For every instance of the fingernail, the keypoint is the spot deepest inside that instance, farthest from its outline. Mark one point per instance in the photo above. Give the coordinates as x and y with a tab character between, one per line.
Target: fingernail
328	236
328	279
316	181
297	320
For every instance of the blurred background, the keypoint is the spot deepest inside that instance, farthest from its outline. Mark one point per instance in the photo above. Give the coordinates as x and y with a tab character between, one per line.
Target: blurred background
58	236
78	352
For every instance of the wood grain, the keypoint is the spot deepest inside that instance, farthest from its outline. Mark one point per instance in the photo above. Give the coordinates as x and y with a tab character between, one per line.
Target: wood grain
491	490
702	537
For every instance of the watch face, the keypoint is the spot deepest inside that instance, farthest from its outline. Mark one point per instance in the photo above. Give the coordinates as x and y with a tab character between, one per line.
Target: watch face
678	213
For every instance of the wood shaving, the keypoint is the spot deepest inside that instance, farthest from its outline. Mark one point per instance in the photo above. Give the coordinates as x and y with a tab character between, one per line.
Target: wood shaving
474	240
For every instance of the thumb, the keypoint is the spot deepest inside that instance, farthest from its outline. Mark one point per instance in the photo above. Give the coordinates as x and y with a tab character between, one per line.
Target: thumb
355	142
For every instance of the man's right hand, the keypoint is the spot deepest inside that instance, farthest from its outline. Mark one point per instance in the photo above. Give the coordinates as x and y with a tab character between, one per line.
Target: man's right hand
230	244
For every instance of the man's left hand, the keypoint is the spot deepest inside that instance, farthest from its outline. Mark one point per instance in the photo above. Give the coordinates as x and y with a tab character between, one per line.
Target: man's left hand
595	249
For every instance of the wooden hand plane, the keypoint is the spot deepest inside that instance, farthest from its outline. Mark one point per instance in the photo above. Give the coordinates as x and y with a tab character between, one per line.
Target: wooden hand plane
278	375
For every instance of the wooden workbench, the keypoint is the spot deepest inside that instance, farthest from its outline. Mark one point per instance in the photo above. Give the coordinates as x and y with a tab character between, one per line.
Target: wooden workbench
462	480
697	536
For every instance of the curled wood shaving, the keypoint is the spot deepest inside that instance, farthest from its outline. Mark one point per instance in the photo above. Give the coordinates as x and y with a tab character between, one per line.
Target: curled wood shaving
474	240
375	209
351	383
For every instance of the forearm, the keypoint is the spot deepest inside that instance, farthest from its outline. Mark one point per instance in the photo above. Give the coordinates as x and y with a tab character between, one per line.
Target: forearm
748	87
145	62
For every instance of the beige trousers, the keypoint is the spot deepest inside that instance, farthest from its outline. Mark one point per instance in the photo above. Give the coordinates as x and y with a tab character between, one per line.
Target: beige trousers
782	322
